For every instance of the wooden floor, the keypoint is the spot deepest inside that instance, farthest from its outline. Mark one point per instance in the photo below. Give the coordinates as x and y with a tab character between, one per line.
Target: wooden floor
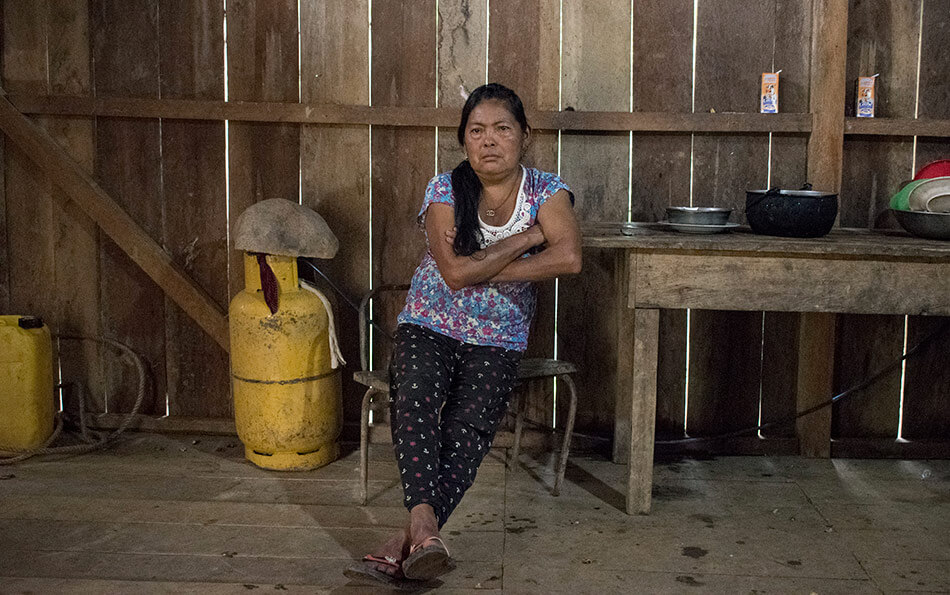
186	514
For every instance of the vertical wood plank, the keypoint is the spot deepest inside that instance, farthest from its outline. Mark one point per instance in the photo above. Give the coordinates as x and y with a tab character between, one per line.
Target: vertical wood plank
262	66
192	67
792	54
882	38
403	159
779	371
788	169
815	340
595	76
725	348
934	100
4	237
826	92
866	344
128	165
335	160
533	26
927	386
662	82
532	73
76	237
29	208
825	146
462	37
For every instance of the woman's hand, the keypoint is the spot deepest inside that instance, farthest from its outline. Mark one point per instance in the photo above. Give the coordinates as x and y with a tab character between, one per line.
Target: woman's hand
535	234
450	235
562	240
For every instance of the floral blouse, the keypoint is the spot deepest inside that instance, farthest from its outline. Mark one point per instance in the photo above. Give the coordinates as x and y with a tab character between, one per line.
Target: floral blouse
496	314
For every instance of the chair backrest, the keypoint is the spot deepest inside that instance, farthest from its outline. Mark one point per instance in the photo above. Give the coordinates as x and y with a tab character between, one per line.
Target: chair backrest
366	322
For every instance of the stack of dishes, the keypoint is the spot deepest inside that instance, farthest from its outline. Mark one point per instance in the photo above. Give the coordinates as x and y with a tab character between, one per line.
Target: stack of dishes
922	207
698	219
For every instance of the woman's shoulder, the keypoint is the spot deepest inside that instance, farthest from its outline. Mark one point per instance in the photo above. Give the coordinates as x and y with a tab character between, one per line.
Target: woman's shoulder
542	184
439	188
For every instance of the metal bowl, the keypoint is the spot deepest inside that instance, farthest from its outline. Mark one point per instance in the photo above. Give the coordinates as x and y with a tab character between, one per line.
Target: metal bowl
934	226
698	215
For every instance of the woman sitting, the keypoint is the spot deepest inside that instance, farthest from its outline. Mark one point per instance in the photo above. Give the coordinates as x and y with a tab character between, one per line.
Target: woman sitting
493	227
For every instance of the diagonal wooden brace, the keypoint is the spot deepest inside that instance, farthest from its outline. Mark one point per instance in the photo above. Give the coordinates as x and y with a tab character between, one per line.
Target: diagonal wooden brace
79	186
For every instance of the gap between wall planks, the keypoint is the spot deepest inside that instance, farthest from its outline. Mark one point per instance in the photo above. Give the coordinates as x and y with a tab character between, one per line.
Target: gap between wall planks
335	160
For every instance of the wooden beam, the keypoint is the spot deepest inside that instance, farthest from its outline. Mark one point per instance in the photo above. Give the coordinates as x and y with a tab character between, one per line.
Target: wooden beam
816	346
897	127
827	93
141	248
249	111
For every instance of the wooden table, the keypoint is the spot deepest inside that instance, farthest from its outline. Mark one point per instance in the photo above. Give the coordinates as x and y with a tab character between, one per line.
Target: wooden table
851	271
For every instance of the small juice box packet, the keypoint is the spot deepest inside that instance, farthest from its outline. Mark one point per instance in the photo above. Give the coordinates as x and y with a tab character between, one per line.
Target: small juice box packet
864	98
769	98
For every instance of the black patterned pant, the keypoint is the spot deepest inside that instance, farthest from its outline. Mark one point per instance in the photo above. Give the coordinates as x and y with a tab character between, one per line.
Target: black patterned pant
447	399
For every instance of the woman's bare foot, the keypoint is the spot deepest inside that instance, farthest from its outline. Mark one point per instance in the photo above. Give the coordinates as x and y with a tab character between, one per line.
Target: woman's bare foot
395	549
428	557
422	524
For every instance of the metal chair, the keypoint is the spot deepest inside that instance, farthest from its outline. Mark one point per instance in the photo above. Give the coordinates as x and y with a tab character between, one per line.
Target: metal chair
377	385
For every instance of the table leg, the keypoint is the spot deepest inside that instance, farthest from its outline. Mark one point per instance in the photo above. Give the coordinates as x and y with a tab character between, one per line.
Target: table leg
622	302
643	410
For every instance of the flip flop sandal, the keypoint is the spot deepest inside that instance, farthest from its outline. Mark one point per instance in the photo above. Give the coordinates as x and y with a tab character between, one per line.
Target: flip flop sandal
427	560
362	571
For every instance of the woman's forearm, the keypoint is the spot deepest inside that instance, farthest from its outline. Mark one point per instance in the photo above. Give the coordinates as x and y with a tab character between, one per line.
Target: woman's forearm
485	264
554	261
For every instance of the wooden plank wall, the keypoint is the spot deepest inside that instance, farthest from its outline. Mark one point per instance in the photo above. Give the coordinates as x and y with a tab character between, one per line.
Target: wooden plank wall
185	182
928	378
335	70
883	38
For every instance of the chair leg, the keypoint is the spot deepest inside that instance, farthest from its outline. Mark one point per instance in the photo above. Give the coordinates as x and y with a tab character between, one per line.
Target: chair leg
364	444
568	430
519	426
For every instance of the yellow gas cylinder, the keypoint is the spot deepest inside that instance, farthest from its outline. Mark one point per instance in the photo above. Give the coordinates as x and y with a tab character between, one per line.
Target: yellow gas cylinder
287	400
26	383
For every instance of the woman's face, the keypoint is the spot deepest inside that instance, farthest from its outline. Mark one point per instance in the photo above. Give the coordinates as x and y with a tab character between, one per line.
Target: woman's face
494	141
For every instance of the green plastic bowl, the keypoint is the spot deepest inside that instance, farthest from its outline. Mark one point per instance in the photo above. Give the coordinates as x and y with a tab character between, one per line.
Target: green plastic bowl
901	200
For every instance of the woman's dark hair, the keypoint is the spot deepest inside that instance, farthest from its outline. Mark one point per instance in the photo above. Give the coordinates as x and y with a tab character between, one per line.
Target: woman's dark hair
466	186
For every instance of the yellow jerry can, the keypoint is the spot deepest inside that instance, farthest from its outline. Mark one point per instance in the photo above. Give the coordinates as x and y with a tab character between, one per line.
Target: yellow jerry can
26	383
287	400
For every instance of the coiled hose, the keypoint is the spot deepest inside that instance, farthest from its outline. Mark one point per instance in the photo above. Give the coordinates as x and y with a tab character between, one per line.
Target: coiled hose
9	455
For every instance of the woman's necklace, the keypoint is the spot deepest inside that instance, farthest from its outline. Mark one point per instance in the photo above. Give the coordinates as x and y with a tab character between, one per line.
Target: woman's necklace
491	212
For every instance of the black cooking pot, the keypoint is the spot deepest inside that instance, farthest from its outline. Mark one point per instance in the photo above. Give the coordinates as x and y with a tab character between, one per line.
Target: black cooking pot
804	213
